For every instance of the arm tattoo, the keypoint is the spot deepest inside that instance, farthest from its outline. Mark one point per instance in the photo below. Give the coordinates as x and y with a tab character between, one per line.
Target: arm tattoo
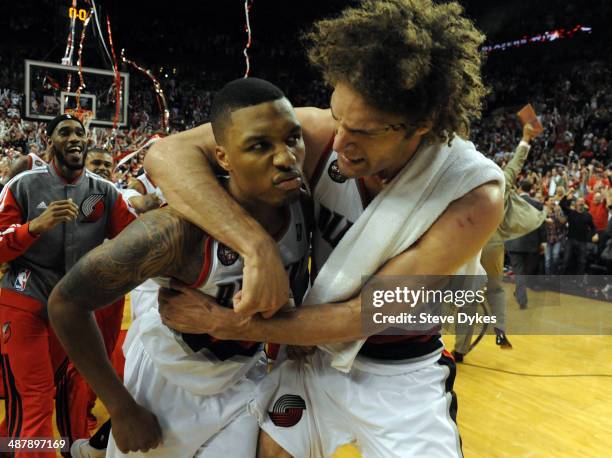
154	244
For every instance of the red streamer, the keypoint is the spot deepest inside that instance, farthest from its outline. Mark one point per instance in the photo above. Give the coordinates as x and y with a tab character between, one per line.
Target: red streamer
159	93
67	60
117	75
80	62
247	8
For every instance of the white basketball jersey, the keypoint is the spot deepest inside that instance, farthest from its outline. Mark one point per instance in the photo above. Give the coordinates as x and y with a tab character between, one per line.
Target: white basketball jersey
201	363
150	188
338	202
35	162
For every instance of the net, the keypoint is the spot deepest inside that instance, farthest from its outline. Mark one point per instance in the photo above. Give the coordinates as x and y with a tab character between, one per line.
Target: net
83	115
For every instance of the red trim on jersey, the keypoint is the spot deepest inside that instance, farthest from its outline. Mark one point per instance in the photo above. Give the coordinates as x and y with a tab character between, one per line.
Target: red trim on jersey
30	162
59	174
206	263
271	350
321	164
15	236
386	339
120	217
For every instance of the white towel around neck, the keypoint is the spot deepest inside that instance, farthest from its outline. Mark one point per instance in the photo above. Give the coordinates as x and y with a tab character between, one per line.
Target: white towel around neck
397	217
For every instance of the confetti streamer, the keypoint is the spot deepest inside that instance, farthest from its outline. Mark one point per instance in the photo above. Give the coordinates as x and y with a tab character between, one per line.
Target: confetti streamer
247	8
159	93
67	60
80	62
96	17
118	92
147	143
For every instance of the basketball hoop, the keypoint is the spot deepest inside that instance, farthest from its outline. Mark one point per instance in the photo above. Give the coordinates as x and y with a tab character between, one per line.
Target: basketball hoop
83	115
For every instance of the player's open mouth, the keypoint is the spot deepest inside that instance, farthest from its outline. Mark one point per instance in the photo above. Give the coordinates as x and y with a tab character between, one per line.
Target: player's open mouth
288	181
76	150
349	161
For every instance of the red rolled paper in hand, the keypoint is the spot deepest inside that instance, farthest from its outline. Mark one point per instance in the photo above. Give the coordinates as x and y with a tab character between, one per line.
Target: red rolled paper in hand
527	115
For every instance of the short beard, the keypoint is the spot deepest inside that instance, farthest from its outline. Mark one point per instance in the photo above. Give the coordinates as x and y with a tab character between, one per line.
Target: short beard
64	163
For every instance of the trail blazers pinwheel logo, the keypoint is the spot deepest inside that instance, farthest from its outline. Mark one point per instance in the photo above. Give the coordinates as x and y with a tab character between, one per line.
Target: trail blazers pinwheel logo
335	174
287	410
93	208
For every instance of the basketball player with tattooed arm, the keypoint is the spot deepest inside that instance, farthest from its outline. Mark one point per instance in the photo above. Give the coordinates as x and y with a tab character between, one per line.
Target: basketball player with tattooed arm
186	394
391	151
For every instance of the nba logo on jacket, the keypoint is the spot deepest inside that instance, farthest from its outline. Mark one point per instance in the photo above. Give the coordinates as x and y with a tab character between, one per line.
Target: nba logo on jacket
22	280
93	208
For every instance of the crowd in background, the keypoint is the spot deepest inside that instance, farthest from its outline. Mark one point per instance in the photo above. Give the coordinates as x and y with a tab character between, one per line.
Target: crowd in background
572	158
569	168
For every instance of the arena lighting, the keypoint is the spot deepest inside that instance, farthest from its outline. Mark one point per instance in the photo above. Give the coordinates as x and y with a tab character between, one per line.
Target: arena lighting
552	35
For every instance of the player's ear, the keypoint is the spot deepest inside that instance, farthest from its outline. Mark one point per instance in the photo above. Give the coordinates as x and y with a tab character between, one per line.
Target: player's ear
423	129
223	158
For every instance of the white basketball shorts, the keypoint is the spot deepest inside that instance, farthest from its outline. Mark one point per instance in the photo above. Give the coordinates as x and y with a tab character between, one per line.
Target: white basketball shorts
386	408
208	426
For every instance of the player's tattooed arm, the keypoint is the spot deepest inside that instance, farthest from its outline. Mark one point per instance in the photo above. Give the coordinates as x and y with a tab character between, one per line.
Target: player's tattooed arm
157	243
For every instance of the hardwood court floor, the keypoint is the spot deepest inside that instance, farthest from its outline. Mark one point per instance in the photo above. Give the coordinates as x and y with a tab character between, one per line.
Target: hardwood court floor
507	415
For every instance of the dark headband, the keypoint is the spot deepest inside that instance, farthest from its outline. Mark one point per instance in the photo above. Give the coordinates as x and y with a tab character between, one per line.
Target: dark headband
55	121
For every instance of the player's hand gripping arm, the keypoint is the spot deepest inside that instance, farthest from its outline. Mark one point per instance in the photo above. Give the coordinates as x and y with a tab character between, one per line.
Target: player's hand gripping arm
471	220
152	245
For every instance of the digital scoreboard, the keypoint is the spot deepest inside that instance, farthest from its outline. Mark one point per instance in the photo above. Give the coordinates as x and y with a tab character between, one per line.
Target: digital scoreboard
77	13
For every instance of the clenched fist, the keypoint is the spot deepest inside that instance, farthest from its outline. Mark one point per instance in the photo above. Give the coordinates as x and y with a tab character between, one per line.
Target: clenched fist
60	211
135	429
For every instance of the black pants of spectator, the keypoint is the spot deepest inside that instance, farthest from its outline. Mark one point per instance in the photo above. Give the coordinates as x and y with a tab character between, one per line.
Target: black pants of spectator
575	255
523	265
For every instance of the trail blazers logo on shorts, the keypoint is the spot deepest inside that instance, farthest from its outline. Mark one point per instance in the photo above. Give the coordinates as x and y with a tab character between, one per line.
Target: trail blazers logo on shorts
226	255
287	410
334	172
93	208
